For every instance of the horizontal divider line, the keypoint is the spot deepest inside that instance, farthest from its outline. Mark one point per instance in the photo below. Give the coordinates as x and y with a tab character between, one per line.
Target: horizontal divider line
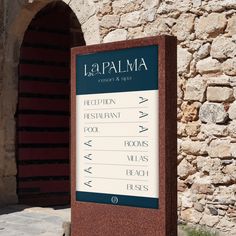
105	150
118	122
116	136
105	164
138	180
115	108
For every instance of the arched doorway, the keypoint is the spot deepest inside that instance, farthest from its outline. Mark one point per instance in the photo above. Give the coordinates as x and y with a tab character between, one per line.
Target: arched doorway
43	111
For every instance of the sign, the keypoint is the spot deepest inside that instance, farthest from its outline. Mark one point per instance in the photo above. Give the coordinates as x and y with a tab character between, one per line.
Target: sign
123	138
117	127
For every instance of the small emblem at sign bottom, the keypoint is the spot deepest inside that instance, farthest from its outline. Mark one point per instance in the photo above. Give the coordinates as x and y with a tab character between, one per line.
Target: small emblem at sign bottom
114	200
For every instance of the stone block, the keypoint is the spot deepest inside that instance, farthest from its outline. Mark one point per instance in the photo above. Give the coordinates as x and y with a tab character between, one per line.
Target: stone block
195	89
231	26
219	94
184	26
192	129
184	58
223	47
232	129
158	27
148	15
191	215
110	21
204	51
189	111
116	35
209	220
124	6
229	66
131	19
230	170
210	25
208	65
149	4
222	80
204	165
91	31
193	147
213	113
219	148
185	169
232	111
202	188
83	9
214	129
225	223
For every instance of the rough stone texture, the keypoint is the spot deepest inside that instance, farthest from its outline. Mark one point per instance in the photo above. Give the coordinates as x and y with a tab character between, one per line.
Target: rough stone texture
210	25
209	220
208	65
219	148
222	80
214	130
131	19
229	66
195	89
189	112
185	169
232	111
110	21
219	94
116	35
184	26
206	70
193	147
223	47
213	113
231	26
183	60
204	51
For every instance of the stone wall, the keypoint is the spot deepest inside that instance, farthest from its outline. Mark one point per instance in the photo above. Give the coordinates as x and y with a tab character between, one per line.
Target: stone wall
206	32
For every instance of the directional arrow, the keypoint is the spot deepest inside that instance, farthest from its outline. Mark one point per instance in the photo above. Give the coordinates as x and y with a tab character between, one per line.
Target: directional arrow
142	129
88	143
88	157
142	114
88	183
88	170
142	100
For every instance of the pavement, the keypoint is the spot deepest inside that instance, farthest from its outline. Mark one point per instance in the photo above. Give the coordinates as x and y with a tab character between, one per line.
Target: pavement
18	220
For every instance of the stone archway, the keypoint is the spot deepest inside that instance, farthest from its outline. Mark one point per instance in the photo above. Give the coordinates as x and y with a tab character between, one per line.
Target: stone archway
17	22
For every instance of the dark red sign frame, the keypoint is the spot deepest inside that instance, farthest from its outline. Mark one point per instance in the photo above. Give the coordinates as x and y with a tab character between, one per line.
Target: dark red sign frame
92	219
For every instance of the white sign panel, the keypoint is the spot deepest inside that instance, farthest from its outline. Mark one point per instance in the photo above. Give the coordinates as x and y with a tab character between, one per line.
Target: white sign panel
117	127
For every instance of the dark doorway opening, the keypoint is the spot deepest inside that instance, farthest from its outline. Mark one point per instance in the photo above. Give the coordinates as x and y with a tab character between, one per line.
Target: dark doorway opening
43	111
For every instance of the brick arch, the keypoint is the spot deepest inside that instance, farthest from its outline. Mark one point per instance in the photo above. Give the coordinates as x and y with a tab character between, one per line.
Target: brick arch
18	20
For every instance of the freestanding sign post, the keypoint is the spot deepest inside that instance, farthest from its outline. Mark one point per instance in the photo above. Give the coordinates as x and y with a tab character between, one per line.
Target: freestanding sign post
123	138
